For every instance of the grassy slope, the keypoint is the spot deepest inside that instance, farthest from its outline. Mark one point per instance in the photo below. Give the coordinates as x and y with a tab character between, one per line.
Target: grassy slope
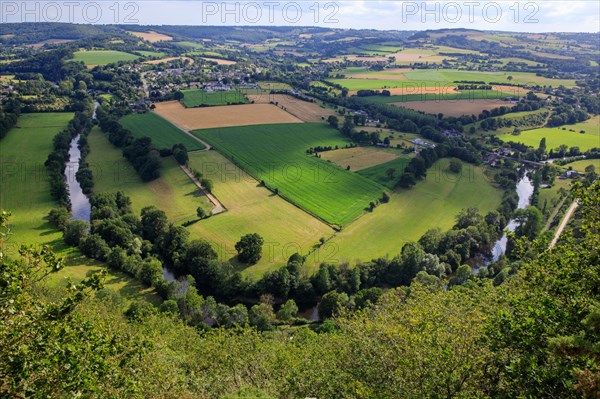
277	154
582	164
555	136
102	57
250	208
26	195
163	133
173	192
378	172
195	98
434	202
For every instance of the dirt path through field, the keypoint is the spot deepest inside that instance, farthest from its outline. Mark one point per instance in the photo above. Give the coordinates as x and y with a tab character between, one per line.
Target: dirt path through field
563	224
219	208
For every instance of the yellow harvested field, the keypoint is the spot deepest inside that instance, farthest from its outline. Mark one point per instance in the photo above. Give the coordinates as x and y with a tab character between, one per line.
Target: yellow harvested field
358	157
453	107
222	116
155	62
219	61
304	110
152	36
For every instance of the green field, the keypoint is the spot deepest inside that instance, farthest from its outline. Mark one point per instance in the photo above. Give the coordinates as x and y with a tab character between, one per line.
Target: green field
583	163
25	193
173	192
556	136
449	95
252	209
274	86
102	57
440	77
434	202
151	53
199	98
277	154
509	129
163	133
379	174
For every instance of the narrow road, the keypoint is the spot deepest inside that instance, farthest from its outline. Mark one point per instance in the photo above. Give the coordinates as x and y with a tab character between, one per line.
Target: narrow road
219	208
563	224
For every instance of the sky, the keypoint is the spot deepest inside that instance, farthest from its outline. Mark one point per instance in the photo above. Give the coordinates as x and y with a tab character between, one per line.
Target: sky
519	16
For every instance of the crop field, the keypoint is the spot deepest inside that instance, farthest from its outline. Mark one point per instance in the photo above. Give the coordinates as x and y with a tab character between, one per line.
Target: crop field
277	155
304	110
162	133
438	94
434	202
163	60
223	116
102	57
173	192
379	173
219	61
251	208
200	98
152	36
454	108
580	165
568	135
359	157
274	86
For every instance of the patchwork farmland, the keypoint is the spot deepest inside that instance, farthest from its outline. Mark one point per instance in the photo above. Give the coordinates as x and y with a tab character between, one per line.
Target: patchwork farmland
278	157
304	110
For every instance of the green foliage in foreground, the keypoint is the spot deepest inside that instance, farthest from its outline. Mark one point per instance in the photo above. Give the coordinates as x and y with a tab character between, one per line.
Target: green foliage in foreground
277	155
536	335
163	134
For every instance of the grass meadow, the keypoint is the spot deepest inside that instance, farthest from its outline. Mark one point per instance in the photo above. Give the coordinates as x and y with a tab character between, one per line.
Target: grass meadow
102	57
200	98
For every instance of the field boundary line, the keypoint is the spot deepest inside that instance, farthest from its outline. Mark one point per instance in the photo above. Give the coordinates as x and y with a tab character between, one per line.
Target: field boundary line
219	208
206	145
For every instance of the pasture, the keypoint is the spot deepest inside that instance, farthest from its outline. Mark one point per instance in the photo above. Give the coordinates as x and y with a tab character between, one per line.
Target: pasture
277	155
568	135
162	132
25	188
379	173
274	86
173	192
358	158
433	202
580	165
26	195
102	57
151	36
200	98
304	110
222	116
252	209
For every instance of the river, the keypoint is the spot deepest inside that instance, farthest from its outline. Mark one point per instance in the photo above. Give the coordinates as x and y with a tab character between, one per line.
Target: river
80	204
524	191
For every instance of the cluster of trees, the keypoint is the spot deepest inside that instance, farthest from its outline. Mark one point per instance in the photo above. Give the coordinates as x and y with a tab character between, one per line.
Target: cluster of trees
566	114
144	157
9	113
368	93
474	87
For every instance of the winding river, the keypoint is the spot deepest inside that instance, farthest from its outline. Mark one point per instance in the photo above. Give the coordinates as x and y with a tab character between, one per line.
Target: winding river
80	204
524	191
